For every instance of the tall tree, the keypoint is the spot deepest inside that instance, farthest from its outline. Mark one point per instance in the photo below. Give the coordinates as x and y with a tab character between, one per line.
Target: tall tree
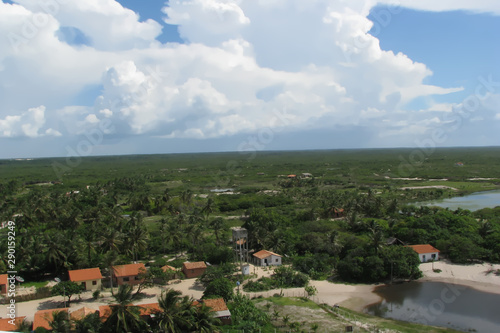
218	225
124	317
60	322
176	315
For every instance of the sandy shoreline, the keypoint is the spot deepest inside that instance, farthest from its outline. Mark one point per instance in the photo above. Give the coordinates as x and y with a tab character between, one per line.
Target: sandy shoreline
478	276
356	297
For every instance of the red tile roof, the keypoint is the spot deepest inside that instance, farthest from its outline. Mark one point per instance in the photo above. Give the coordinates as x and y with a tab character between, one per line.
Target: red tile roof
194	265
6	326
3	279
424	248
148	309
264	254
104	311
216	304
43	317
85	274
129	270
145	309
168	268
81	313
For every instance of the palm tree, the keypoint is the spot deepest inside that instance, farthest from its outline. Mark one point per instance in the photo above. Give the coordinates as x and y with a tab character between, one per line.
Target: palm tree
88	239
124	317
204	320
187	197
286	319
376	239
108	261
55	252
176	315
209	208
218	225
91	323
334	245
137	239
174	232
24	326
60	322
111	240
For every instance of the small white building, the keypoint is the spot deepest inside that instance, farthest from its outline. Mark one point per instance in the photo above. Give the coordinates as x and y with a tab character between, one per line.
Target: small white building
266	258
426	252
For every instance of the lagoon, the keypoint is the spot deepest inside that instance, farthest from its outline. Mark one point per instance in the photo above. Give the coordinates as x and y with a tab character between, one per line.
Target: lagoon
472	202
439	304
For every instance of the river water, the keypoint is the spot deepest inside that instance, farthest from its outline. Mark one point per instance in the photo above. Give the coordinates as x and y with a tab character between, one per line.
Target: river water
439	304
474	201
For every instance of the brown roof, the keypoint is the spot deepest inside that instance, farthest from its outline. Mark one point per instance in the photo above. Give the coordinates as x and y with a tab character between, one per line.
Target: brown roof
424	248
43	317
194	265
104	311
85	274
3	279
6	326
148	309
264	254
292	176
129	270
81	313
145	309
216	304
168	268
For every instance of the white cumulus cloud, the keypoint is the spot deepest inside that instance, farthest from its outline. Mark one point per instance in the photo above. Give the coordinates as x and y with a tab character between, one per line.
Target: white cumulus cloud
246	65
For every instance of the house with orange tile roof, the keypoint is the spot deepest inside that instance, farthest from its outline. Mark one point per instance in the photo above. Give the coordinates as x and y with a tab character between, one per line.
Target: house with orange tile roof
43	317
104	312
219	307
3	283
168	269
193	269
90	278
266	258
145	310
81	313
128	274
426	252
148	310
10	325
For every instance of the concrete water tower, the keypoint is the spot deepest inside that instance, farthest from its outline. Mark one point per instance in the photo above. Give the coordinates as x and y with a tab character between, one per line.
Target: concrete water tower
240	248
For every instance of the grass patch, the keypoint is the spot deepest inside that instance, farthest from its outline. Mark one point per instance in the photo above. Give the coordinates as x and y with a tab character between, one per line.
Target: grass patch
391	324
290	301
36	284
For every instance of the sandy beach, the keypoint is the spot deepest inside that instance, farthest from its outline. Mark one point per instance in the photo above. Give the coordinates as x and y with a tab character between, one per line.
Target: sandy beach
356	297
477	276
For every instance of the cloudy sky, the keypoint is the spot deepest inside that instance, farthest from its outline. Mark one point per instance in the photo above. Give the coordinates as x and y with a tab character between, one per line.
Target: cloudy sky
101	77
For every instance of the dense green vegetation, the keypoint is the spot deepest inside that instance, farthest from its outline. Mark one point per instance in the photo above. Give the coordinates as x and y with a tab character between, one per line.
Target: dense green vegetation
103	211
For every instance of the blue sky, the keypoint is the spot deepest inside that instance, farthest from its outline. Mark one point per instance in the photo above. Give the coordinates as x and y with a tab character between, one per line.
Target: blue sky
457	46
125	77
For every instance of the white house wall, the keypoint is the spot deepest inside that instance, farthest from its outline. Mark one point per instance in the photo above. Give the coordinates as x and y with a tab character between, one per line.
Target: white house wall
425	257
272	260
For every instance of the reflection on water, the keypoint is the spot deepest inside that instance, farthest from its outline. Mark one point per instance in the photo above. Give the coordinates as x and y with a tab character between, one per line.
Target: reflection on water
474	201
439	304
